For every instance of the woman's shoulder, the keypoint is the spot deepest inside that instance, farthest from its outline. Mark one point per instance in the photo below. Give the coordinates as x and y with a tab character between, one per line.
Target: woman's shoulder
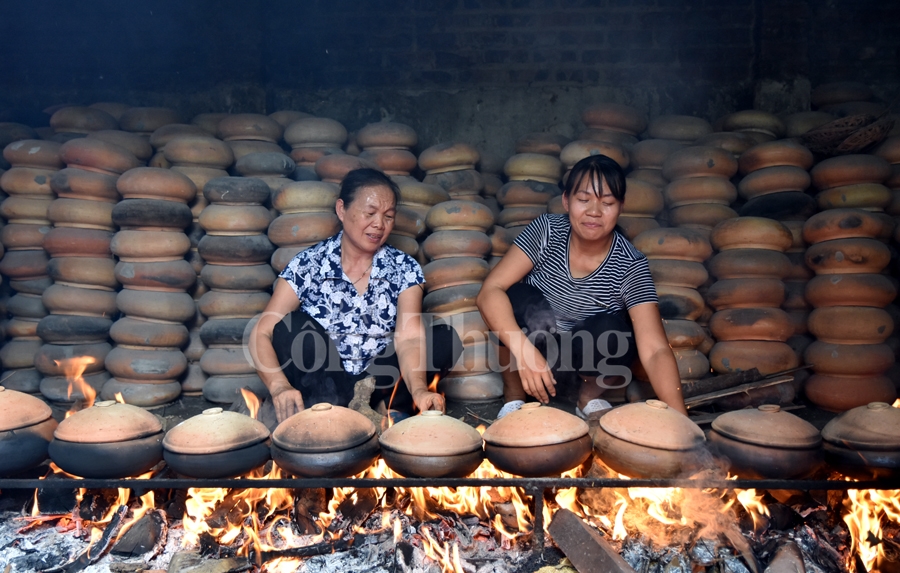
626	250
394	260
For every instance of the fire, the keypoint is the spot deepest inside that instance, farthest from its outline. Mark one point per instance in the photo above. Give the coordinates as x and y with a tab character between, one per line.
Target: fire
74	368
896	403
866	511
753	505
251	401
119	398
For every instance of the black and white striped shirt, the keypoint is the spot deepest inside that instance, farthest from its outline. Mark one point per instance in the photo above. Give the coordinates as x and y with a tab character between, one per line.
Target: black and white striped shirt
622	281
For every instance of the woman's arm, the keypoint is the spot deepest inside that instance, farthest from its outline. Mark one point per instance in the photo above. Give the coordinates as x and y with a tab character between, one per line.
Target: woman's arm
497	311
288	400
411	356
656	355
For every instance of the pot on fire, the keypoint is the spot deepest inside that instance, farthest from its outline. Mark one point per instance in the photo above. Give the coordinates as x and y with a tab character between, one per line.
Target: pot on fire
26	429
864	441
432	445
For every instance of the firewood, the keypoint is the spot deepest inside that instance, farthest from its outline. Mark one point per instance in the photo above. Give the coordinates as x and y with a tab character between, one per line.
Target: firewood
588	551
96	551
788	559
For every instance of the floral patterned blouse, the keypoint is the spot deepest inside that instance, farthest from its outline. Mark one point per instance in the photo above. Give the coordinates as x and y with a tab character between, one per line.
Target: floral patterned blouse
361	325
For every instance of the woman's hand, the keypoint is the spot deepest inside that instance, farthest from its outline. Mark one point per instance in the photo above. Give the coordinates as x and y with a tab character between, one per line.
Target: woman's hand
288	401
537	379
426	400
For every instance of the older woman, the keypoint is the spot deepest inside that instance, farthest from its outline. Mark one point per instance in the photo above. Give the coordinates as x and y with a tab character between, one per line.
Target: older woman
350	307
587	303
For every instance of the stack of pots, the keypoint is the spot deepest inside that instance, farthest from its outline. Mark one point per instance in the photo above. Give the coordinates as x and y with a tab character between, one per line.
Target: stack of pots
852	181
676	257
32	164
237	252
457	248
247	133
776	177
533	182
643	203
269	166
147	362
312	138
491	169
389	146
81	266
416	198
200	158
133	142
735	142
162	136
750	327
75	121
305	217
543	142
849	294
145	120
614	123
699	191
333	168
647	159
578	150
452	167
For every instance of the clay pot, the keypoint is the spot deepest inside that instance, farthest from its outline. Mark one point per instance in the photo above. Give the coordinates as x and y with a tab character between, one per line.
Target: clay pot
851	324
28	181
750	263
459	184
315	132
147	246
699	161
772	324
871	196
472	388
849	359
69	329
145	364
134	143
97	155
81	119
454	271
448	157
60	388
297	228
575	151
542	142
741	355
224	304
767	443
386	135
460	215
841	224
88	302
431	445
684	128
20	352
156	305
734	141
198	150
26	430
779	179
456	243
850	170
247	249
240	277
703	216
648	440
147	119
219	219
775	153
452	300
533	167
216	444
537	441
838	393
694	190
325	441
23	305
614	117
754	121
679	303
686	274
652	153
151	215
249	126
136	332
156	183
848	256
82	184
26	210
674	243
33	153
864	441
751	233
107	441
55	359
80	213
850	290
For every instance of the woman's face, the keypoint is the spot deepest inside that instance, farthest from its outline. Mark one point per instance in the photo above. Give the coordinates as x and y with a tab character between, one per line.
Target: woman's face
369	218
593	216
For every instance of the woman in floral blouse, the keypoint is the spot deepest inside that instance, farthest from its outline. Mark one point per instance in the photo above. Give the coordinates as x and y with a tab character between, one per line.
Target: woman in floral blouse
350	307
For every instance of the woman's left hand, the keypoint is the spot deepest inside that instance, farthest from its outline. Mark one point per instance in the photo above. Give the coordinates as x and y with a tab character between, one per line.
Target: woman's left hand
426	400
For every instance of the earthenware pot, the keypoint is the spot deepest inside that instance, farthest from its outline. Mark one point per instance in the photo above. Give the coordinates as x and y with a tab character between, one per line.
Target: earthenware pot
648	440
767	443
108	441
325	441
26	429
864	441
537	441
216	444
431	445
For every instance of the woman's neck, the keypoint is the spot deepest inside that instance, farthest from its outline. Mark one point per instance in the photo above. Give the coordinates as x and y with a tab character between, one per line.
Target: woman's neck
352	257
586	256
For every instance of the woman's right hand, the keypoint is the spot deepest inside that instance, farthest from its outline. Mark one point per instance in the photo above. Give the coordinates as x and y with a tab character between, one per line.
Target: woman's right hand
537	379
288	401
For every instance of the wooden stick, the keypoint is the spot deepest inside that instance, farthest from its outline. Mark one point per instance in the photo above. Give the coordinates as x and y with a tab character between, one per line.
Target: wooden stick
763	383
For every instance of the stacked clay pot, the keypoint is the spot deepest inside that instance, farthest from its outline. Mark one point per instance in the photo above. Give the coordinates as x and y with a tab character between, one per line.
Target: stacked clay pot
544	142
333	168
761	125
491	169
776	177
237	272
456	250
849	294
147	362
579	149
209	122
311	138
452	167
795	303
249	133
32	164
533	182
76	121
852	181
614	123
273	167
416	198
647	159
145	120
684	129
699	191
676	257
389	146
889	150
305	217
82	268
751	329
501	241
735	142
643	204
139	146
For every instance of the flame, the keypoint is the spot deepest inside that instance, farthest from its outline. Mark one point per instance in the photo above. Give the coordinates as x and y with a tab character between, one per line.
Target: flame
866	510
119	398
73	369
753	505
251	401
433	387
896	403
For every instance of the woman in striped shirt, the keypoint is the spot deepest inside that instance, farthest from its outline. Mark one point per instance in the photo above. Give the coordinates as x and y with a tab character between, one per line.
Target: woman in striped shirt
586	302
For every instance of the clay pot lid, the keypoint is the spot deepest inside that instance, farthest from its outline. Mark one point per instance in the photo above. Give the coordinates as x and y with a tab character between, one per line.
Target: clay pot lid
535	425
214	431
18	410
652	424
431	434
323	428
875	426
768	425
107	422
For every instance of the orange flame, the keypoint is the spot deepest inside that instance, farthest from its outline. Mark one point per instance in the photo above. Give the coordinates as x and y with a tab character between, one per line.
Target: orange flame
251	401
866	509
119	398
73	369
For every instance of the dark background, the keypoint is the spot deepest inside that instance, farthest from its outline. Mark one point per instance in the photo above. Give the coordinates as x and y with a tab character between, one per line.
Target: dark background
482	71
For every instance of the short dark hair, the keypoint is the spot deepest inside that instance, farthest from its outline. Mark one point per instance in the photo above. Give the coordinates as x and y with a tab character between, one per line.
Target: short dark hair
597	168
366	177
